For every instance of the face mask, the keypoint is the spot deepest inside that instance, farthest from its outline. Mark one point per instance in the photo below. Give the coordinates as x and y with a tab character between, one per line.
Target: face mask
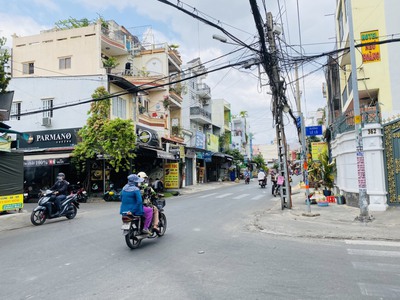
59	178
139	184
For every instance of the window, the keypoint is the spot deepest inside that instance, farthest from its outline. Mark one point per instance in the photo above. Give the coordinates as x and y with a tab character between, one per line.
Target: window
119	107
64	63
16	111
47	108
28	68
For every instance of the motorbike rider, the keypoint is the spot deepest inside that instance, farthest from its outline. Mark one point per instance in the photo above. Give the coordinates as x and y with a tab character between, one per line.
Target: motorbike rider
246	175
261	176
143	187
60	189
132	203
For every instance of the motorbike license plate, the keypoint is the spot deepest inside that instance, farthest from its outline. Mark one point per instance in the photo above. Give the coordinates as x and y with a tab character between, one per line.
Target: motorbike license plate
126	226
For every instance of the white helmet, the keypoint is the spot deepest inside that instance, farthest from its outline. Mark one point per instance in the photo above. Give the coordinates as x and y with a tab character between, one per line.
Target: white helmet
142	175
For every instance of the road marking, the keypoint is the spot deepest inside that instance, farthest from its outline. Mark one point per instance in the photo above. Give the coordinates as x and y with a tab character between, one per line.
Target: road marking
373	243
224	195
208	195
380	290
258	197
241	196
377	267
373	253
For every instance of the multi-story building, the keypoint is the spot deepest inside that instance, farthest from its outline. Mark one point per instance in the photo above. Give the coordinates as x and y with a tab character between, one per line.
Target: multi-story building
377	73
54	74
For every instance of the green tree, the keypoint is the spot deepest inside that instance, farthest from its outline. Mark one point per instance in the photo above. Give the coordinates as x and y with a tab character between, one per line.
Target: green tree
259	160
238	158
114	139
4	58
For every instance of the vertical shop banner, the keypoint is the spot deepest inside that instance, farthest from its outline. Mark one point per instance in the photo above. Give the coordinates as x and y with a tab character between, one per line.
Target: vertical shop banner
317	148
212	142
200	140
171	175
370	53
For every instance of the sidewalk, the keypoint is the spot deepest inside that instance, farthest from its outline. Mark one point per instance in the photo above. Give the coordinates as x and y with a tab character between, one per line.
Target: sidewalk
331	222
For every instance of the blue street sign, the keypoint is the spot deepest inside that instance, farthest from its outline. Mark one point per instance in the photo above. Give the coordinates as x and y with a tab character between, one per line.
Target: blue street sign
313	130
298	122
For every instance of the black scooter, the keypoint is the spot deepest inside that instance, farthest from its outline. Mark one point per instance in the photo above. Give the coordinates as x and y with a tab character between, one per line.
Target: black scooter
132	226
46	208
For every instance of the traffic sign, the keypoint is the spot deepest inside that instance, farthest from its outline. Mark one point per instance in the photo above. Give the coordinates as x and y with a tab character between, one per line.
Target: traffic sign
313	130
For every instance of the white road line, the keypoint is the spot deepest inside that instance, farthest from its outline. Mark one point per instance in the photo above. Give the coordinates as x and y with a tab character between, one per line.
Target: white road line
373	243
381	291
241	196
373	253
258	197
376	267
208	195
224	195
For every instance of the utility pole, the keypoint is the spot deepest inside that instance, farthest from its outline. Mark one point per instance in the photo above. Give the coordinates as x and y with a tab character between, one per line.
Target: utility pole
303	142
362	185
278	105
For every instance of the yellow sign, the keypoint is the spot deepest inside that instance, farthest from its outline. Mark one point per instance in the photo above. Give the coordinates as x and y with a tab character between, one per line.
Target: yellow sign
11	202
212	142
171	175
357	119
370	53
317	148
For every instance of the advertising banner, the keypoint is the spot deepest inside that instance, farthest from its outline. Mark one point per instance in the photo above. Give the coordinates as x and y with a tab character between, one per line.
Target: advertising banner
370	53
212	142
171	175
317	148
11	202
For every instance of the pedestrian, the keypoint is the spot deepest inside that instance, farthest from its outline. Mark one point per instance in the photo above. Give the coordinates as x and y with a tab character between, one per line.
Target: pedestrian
274	183
132	203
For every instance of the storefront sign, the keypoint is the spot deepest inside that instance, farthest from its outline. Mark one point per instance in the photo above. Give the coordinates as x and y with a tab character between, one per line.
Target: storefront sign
46	162
207	157
200	140
370	53
171	175
11	202
212	142
317	148
147	136
50	139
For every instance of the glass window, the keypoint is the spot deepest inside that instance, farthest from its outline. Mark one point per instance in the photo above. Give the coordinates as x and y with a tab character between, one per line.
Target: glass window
47	108
119	107
16	111
28	68
64	63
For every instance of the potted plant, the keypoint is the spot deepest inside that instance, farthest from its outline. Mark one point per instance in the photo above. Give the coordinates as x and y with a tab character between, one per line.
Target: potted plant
323	173
110	63
6	97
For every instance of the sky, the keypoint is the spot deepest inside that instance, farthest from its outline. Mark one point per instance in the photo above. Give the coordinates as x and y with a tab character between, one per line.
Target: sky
308	27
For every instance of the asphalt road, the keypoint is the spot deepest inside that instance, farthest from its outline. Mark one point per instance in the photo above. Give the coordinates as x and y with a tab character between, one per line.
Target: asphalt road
210	251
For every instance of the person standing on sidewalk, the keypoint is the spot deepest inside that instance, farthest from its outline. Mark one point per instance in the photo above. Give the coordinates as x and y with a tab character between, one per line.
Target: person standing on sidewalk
274	183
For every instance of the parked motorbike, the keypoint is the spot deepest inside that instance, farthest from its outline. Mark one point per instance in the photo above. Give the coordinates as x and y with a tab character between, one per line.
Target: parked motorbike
112	194
46	208
80	192
132	226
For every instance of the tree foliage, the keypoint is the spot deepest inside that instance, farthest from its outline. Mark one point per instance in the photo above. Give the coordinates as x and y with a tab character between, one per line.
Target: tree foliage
238	158
4	59
114	139
259	160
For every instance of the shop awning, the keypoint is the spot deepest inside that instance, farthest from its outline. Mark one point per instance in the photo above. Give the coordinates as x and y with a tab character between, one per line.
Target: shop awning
47	156
218	154
157	153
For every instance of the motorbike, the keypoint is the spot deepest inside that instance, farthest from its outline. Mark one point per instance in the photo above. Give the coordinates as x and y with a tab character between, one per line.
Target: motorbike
262	183
247	180
46	208
132	225
112	194
80	192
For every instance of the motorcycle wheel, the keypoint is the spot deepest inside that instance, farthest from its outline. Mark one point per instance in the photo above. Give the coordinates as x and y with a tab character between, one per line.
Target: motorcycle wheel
38	217
73	213
162	225
131	240
107	198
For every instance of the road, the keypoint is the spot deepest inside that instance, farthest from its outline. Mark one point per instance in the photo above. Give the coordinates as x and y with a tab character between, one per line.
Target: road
211	250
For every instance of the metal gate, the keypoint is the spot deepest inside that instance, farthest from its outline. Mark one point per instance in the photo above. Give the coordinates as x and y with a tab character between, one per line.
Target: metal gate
392	159
189	171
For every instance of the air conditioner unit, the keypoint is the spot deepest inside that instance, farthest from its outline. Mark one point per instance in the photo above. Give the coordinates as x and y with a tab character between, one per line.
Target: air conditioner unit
46	121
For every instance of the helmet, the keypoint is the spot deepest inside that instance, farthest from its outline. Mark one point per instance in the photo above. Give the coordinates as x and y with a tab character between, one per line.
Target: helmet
60	176
142	175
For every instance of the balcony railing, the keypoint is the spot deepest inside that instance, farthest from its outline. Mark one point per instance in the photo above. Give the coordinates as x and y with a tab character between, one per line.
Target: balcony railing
203	90
345	122
198	111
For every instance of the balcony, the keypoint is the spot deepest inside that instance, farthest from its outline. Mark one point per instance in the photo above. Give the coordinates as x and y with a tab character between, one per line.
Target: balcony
203	91
145	118
112	42
200	115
